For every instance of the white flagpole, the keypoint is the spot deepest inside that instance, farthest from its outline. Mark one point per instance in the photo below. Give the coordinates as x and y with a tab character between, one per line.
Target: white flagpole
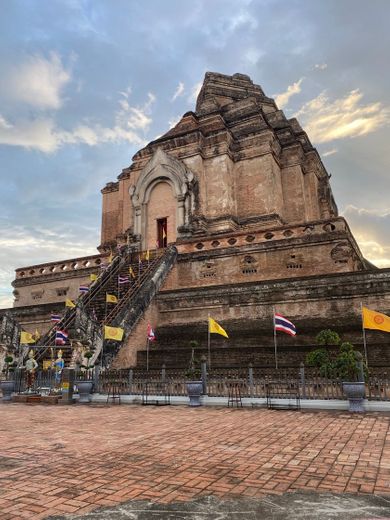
147	355
102	354
275	342
208	340
364	335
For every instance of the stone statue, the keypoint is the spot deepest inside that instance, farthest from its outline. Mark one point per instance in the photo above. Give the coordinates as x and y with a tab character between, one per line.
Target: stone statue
58	367
31	366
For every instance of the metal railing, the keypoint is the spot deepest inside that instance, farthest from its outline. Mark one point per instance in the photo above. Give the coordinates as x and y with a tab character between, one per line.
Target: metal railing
252	384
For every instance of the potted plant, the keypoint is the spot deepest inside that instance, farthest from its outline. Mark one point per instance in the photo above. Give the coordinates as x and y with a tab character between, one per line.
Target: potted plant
347	365
351	370
7	384
84	386
194	379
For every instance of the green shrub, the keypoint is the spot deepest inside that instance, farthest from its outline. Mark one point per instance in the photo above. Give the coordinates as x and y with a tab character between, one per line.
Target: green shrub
328	337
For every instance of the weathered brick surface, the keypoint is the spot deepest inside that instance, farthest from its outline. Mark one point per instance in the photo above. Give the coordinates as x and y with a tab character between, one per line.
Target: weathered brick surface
75	459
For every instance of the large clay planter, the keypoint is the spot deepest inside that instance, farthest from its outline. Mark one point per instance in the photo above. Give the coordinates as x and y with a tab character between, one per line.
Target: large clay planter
7	388
355	393
194	391
85	391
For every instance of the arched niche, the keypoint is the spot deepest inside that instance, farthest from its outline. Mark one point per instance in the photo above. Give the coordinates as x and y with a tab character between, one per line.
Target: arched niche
165	170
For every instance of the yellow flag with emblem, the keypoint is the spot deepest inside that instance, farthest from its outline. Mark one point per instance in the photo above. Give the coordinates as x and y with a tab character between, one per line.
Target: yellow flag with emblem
69	303
375	320
26	338
93	277
115	333
131	272
111	298
215	328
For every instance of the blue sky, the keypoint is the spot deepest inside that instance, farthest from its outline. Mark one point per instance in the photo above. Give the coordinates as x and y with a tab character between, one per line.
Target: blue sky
85	83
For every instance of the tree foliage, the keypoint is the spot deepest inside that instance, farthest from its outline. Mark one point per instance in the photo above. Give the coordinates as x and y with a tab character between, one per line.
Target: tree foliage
328	337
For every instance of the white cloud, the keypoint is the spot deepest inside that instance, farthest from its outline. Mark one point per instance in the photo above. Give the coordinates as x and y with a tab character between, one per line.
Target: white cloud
43	135
283	98
370	228
194	92
326	120
38	82
6	300
329	152
253	55
241	19
320	66
34	246
179	91
173	122
39	134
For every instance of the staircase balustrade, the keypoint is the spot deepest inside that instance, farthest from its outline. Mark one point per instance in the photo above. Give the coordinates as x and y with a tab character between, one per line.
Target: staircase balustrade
84	319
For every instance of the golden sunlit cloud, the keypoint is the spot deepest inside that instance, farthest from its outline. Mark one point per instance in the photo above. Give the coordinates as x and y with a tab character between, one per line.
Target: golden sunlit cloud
326	121
370	228
282	99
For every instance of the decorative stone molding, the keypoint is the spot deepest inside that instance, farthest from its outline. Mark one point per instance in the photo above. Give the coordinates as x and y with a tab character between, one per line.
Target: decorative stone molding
62	266
164	168
294	261
249	265
341	253
208	269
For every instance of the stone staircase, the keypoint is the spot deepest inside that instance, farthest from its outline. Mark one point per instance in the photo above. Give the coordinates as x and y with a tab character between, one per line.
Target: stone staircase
85	322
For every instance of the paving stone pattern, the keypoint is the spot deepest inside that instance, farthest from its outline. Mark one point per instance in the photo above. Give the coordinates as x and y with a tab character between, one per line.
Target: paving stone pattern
74	459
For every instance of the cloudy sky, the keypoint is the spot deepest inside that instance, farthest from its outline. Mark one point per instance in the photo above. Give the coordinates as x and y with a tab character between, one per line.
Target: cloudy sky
85	83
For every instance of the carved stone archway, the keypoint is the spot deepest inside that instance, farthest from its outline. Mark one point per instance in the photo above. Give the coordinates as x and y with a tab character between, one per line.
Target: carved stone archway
163	168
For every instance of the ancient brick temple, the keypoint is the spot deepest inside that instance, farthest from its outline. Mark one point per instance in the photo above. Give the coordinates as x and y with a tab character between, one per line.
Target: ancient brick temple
244	196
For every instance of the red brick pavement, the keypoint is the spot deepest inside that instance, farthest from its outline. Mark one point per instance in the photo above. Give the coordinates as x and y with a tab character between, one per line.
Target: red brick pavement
56	460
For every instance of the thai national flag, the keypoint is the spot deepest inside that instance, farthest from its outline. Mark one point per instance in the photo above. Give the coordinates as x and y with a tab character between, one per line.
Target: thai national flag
55	318
284	325
83	289
61	337
123	279
150	333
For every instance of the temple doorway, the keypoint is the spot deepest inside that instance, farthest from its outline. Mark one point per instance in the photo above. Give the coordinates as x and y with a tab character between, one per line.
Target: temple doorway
162	227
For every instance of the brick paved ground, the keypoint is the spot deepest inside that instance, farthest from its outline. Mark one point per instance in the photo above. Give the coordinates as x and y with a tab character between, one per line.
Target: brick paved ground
56	460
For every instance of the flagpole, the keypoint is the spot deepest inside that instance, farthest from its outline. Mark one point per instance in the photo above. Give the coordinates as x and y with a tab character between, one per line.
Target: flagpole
101	357
208	340
147	355
275	342
364	334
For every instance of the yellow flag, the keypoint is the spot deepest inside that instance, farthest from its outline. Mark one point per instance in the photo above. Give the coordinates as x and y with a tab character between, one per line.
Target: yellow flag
164	235
215	328
69	303
36	335
115	333
131	272
147	255
93	277
111	298
110	258
26	337
375	320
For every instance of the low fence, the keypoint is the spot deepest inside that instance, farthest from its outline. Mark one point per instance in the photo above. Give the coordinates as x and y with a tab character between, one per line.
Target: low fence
252	382
42	381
